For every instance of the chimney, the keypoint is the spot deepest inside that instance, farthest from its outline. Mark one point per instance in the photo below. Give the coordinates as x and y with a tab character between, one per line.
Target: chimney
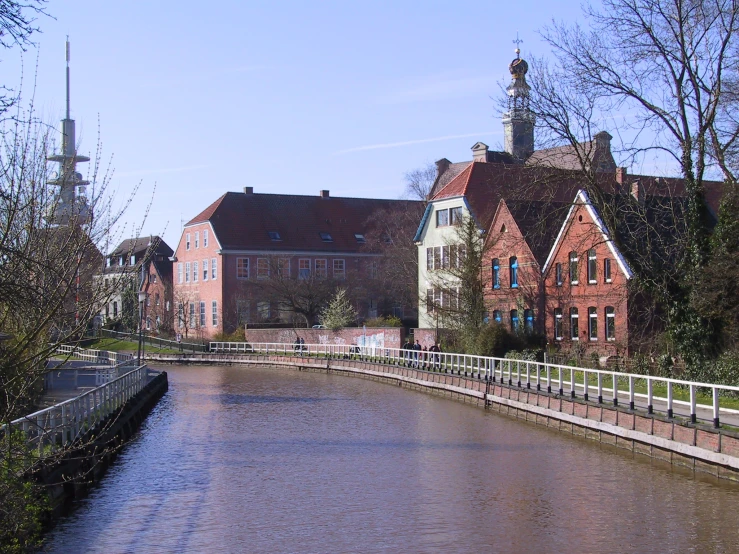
248	190
637	191
323	194
441	166
620	175
480	152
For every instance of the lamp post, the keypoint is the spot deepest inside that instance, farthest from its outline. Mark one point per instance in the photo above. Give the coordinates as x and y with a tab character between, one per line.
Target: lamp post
142	299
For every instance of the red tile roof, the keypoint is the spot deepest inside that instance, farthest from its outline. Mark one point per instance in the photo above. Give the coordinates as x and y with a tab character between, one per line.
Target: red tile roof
243	221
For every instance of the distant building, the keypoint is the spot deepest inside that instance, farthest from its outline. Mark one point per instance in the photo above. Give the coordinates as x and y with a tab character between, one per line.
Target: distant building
141	264
263	259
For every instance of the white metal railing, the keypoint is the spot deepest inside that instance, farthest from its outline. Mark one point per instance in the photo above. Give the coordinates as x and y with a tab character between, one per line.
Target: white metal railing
96	357
606	385
57	426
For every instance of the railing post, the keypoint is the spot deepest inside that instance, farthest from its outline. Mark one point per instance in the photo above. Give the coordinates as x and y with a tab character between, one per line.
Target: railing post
600	388
528	376
650	396
669	398
693	416
549	378
518	373
561	381
715	407
572	382
614	377
585	385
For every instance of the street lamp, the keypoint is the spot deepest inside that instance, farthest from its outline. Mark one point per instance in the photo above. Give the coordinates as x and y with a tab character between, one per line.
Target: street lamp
142	299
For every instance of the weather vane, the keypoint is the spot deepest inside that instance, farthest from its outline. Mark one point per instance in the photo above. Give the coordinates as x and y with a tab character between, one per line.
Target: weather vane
517	42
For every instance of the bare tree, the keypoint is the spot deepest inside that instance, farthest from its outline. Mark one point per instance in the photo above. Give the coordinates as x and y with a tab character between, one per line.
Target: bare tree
420	181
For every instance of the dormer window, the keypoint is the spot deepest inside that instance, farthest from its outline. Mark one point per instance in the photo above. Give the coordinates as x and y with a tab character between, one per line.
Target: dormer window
360	238
133	259
120	260
109	262
274	235
326	237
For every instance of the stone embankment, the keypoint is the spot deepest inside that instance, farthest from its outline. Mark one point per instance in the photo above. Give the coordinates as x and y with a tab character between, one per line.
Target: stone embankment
675	440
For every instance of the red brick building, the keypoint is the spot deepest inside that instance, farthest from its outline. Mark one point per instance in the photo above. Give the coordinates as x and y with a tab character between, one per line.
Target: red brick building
253	258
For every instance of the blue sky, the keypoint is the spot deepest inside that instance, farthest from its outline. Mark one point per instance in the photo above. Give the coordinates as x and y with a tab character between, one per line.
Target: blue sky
196	99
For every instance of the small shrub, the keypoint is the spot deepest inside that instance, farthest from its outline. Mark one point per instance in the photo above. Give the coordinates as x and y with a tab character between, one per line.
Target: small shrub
495	340
386	321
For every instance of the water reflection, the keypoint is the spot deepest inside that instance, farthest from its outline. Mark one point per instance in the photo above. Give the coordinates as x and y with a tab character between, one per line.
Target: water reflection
264	460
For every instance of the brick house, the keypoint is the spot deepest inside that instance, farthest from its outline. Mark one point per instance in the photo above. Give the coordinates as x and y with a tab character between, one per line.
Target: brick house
252	258
552	265
140	264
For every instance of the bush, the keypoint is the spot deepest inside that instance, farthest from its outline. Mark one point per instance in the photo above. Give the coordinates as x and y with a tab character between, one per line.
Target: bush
386	321
495	340
237	336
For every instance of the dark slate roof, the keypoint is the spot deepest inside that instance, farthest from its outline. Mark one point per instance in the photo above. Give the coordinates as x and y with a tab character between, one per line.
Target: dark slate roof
539	223
144	249
243	221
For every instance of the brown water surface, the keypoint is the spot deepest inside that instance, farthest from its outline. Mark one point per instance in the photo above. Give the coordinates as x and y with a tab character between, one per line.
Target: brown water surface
261	460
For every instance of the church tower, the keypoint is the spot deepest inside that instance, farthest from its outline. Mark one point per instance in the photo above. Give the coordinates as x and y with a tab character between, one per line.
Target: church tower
67	205
518	121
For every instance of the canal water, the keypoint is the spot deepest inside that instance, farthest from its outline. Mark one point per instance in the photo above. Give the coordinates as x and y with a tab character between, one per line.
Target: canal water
262	460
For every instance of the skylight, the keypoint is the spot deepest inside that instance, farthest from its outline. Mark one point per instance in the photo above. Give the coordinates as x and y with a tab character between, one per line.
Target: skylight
274	235
360	238
326	237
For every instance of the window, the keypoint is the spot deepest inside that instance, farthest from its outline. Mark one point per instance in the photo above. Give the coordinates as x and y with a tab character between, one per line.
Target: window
132	260
437	257
179	272
262	268
430	308
496	273
514	271
321	269
514	321
456	215
573	268
498	316
187	272
148	300
592	267
445	257
461	254
197	239
166	306
202	314
107	310
442	218
242	312
360	238
120	260
194	272
593	323
429	258
574	330
607	270
191	323
205	238
610	323
214	312
148	323
156	299
528	320
187	241
373	269
181	315
153	277
205	270
213	269
263	310
339	269
558	274
326	237
304	268
115	309
242	268
558	323
283	267
274	235
108	262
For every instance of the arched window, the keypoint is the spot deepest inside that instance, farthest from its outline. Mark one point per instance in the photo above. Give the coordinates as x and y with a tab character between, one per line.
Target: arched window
593	323
573	268
514	271
497	316
592	266
528	320
558	323
514	321
496	273
574	328
610	323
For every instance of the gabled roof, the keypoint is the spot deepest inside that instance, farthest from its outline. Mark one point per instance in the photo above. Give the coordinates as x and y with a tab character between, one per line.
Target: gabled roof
141	245
244	221
538	222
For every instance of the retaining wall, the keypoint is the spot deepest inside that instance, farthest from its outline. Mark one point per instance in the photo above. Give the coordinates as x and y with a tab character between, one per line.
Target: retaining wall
676	440
379	337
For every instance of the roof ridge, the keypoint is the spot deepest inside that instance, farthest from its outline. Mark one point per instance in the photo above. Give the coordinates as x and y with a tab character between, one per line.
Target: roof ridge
466	170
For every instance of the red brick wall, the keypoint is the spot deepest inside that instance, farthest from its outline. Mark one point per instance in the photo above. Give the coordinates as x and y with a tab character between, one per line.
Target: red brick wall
580	236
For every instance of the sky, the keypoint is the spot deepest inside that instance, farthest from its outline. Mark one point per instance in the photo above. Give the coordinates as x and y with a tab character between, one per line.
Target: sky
190	100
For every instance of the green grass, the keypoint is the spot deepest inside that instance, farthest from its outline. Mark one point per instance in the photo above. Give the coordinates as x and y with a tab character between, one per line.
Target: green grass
118	345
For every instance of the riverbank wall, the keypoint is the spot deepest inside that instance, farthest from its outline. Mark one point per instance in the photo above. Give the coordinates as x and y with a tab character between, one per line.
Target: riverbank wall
85	462
675	440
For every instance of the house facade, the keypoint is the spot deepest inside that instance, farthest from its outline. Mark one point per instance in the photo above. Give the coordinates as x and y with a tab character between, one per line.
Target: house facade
273	259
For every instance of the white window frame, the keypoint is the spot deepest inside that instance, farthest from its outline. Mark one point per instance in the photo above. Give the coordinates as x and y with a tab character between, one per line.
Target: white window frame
339	273
187	241
180	270
574	316
244	269
205	269
202	318
593	315
558	324
263	268
592	267
576	260
195	272
607	268
214	268
611	317
205	238
197	240
324	274
301	269
214	312
187	272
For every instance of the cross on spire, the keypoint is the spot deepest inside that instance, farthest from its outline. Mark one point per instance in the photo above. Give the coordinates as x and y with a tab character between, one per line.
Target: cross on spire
517	42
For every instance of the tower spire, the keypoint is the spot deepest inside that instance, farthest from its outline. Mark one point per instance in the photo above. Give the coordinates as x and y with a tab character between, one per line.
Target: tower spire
67	205
518	121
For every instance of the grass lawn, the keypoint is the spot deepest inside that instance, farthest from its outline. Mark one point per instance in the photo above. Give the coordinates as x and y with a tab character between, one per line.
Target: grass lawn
118	345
